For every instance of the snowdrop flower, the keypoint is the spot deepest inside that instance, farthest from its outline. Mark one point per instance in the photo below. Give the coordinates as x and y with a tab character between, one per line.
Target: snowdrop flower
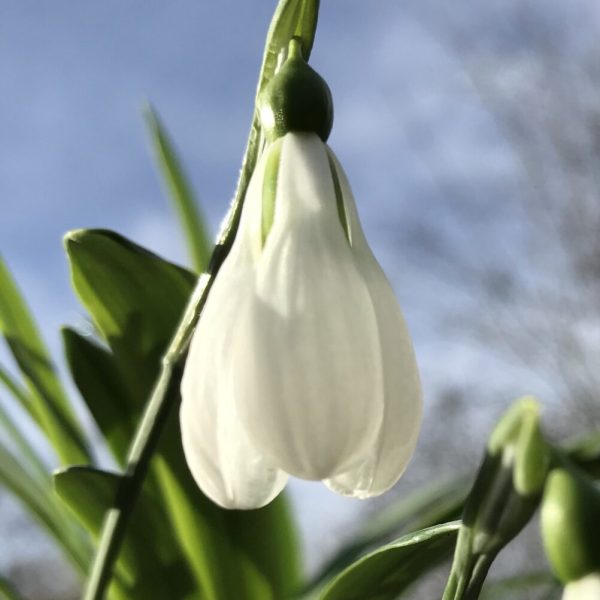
301	362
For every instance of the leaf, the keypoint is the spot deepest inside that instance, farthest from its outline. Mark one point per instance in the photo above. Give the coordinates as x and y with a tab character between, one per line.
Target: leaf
47	404
100	385
133	295
143	563
387	572
268	537
28	454
36	497
428	506
194	226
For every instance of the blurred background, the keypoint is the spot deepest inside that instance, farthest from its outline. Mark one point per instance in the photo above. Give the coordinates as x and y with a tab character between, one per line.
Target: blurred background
470	132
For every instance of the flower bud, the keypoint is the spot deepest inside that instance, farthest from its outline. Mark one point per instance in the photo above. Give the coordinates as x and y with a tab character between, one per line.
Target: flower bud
297	99
506	491
570	520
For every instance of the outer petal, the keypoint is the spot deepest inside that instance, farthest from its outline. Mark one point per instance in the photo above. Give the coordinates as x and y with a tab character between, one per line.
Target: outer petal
225	464
309	385
389	456
586	588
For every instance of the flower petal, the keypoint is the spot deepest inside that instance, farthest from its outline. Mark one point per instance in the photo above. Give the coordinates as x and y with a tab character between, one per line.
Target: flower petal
309	386
225	464
388	458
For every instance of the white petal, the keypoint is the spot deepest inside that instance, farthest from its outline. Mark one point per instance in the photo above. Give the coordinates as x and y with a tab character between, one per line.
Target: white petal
225	464
389	457
309	385
586	588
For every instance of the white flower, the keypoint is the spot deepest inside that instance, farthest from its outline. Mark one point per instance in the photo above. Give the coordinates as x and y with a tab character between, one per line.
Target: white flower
301	362
586	588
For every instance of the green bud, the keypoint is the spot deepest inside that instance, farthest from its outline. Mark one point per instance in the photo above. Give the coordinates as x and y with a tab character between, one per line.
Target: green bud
570	519
296	99
517	438
510	480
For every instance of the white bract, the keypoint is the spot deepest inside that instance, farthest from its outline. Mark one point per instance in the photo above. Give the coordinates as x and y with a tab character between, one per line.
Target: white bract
586	588
301	362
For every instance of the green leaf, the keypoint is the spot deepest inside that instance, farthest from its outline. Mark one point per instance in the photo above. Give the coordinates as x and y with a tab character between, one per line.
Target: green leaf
28	454
100	385
143	563
268	537
430	505
47	404
36	497
134	296
194	225
389	571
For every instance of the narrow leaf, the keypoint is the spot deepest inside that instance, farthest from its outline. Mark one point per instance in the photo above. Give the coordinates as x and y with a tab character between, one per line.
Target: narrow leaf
36	497
192	221
428	506
49	405
100	385
389	571
143	563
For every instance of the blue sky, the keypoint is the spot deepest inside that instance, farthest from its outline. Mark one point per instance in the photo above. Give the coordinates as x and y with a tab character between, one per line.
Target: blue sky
410	129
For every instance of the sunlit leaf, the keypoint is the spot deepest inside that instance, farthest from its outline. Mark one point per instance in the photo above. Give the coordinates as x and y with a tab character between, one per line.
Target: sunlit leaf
37	498
389	571
47	402
437	503
148	554
100	384
193	223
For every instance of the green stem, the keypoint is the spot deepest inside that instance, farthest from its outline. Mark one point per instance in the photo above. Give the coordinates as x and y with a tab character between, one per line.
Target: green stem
477	576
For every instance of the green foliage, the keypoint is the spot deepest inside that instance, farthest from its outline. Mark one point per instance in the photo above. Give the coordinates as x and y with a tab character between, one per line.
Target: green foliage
46	402
389	571
180	193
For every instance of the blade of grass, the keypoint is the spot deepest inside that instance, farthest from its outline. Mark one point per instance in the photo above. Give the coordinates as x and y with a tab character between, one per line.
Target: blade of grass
37	497
49	407
199	241
14	431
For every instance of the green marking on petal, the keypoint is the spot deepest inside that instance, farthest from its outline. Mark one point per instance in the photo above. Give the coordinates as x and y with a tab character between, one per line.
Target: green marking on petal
269	190
339	198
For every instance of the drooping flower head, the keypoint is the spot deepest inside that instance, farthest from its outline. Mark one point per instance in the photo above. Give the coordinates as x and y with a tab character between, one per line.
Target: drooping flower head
301	362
